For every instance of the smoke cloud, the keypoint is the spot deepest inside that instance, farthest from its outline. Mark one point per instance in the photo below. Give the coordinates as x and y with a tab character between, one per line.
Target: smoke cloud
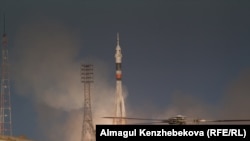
47	70
233	103
236	99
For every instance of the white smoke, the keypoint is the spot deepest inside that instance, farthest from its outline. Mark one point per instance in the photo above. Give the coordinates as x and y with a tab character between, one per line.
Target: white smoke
47	70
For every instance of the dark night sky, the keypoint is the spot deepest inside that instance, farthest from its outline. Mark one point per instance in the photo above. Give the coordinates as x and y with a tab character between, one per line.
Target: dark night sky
179	57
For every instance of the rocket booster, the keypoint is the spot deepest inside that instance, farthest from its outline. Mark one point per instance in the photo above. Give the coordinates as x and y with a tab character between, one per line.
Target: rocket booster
118	60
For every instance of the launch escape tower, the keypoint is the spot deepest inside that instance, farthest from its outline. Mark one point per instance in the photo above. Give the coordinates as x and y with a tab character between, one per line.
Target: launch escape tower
5	104
88	132
119	99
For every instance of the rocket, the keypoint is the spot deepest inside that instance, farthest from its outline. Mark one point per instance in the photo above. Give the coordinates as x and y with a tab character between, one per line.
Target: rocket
118	60
119	100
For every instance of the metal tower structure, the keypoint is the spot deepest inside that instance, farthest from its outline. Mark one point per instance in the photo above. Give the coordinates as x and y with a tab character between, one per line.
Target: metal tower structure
5	103
119	99
88	132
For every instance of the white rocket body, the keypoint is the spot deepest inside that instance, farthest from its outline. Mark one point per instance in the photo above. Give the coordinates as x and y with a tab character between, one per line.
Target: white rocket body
120	110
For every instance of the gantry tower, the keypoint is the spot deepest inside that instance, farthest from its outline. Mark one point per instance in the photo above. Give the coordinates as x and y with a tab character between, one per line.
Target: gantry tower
5	102
88	132
120	110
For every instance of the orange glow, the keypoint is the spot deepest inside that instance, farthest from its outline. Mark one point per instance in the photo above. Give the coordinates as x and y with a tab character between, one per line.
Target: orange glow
118	76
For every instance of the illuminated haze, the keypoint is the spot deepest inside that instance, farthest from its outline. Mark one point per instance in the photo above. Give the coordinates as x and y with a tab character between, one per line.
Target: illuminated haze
48	70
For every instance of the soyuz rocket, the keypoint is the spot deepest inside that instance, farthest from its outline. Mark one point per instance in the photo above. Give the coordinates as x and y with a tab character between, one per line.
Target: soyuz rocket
119	99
